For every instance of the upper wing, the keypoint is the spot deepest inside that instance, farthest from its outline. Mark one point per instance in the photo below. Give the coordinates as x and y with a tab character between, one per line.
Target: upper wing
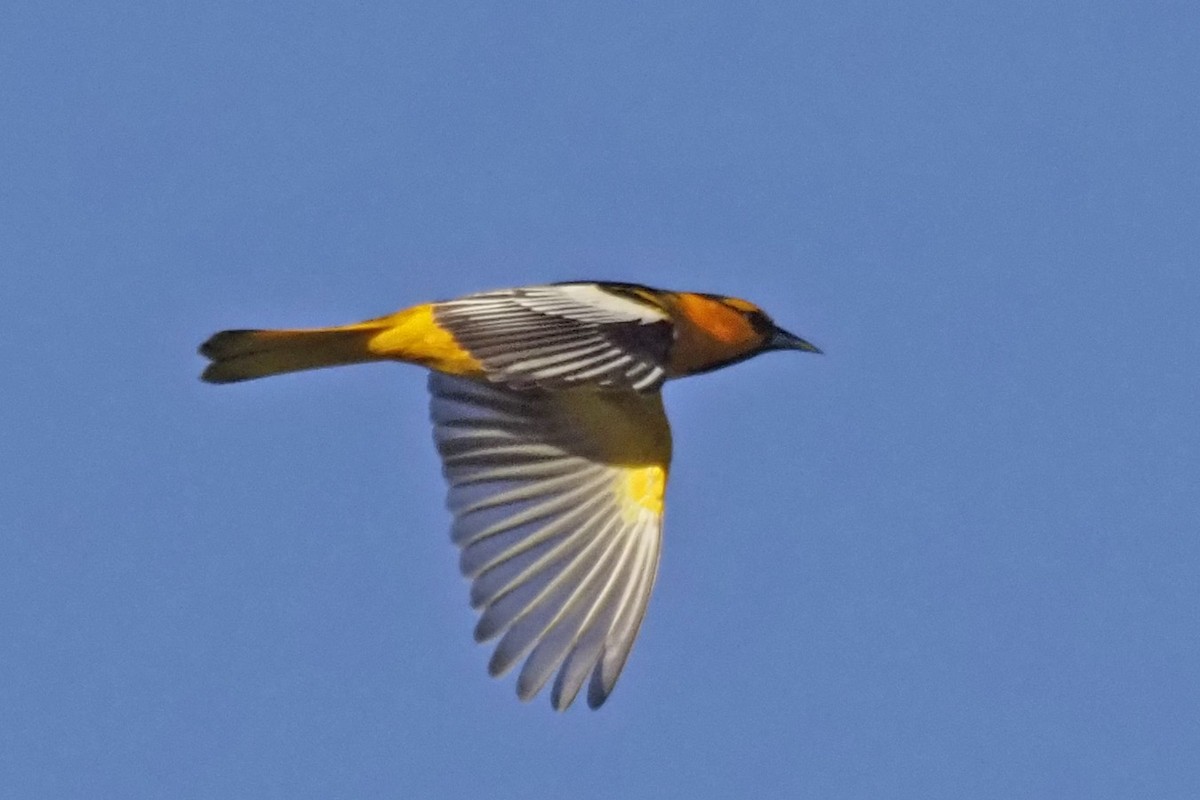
557	502
563	335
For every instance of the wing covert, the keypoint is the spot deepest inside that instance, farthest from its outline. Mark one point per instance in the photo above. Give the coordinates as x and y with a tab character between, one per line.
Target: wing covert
562	335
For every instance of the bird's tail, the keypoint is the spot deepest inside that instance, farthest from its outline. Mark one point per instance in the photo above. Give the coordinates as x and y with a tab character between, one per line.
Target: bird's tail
247	354
412	335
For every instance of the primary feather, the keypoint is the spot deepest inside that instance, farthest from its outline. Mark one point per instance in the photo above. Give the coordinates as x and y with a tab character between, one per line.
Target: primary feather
560	553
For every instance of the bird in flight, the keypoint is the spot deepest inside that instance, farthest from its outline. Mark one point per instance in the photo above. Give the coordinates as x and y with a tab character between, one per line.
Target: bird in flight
548	418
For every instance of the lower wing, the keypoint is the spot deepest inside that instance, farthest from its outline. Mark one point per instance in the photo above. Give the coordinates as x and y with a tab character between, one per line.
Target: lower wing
557	500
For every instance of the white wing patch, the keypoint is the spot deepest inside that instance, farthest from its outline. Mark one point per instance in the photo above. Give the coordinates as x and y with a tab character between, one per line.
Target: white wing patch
562	335
560	545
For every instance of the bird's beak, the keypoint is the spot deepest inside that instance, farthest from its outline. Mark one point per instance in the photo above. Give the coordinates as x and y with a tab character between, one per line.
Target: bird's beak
782	340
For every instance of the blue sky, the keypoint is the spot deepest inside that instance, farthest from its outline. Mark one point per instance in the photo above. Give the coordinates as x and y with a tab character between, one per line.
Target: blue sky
955	557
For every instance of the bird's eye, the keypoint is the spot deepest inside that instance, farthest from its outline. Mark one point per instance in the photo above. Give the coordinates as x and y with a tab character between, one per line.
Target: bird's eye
759	321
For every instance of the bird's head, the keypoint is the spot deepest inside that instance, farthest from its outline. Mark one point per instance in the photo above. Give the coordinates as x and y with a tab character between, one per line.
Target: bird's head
767	335
719	330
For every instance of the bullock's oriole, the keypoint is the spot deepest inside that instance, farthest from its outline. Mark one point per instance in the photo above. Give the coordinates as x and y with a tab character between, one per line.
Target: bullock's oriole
549	421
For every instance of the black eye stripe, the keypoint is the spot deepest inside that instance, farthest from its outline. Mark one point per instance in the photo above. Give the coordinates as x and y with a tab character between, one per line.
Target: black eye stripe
760	321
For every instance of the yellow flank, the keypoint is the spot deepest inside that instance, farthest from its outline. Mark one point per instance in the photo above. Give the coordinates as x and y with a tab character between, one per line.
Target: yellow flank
644	488
414	335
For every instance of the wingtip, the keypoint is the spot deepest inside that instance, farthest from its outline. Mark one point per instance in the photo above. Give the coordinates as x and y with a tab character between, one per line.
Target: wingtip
597	692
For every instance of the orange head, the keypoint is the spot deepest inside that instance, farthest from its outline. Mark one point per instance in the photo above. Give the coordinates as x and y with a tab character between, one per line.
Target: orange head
714	331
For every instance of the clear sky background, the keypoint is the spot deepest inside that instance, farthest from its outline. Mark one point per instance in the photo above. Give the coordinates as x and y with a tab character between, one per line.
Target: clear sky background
957	556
